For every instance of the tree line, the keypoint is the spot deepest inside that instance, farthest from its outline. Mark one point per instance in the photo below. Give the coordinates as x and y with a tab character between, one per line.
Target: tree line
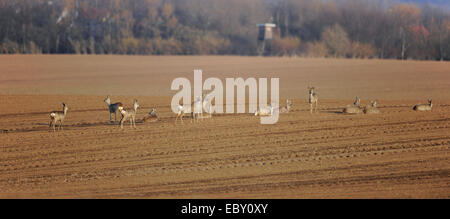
310	28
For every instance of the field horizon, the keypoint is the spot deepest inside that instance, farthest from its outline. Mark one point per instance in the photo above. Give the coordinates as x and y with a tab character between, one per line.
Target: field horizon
152	75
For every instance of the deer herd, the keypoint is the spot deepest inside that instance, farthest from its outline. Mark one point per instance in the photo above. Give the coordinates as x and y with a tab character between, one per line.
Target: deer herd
198	104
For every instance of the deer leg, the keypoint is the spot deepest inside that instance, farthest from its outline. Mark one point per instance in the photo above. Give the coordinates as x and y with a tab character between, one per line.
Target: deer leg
145	119
317	102
54	124
311	107
179	115
61	124
121	122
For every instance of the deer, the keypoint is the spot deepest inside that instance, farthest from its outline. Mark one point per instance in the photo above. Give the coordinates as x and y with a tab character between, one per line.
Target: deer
207	105
151	115
129	115
198	108
424	107
313	99
113	108
266	111
355	109
180	114
287	108
372	109
200	104
58	116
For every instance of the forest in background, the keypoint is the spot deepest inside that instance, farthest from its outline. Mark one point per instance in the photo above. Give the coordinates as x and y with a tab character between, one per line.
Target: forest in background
308	28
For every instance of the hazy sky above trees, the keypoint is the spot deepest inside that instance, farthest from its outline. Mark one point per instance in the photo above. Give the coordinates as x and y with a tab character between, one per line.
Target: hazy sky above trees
312	28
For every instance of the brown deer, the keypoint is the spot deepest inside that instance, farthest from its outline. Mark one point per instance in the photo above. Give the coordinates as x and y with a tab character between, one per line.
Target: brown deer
113	108
372	109
355	109
287	108
131	114
151	116
313	99
424	107
58	116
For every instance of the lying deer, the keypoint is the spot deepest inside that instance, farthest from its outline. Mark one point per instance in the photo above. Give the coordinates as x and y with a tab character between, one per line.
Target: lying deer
355	109
372	109
265	111
424	107
287	108
151	116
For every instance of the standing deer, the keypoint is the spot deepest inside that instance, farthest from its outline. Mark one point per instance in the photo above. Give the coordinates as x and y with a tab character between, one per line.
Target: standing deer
58	116
287	108
207	105
129	115
113	108
180	114
355	109
198	108
313	99
424	107
199	105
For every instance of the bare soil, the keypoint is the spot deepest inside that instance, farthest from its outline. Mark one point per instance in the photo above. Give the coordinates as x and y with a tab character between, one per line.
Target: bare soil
399	153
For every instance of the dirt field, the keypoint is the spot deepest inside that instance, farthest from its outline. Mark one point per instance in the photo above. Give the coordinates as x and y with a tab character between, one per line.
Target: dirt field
396	154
